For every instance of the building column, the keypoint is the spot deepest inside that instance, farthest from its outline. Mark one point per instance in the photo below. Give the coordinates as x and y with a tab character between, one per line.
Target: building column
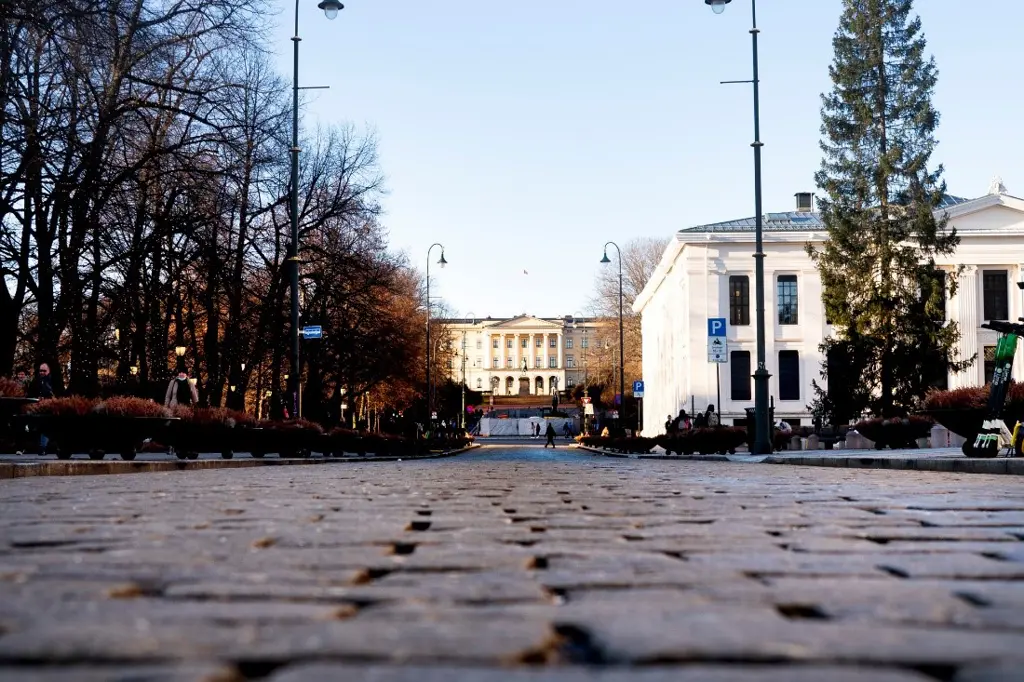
967	317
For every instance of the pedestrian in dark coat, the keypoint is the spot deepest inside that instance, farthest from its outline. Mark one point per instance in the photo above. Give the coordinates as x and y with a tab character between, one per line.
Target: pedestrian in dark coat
550	433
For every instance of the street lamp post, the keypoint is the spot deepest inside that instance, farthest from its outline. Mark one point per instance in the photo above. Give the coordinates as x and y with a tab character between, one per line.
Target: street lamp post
331	9
442	262
762	441
622	344
462	414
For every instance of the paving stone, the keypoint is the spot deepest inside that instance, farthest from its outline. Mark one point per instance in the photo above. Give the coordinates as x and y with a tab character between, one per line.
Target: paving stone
185	672
568	569
694	673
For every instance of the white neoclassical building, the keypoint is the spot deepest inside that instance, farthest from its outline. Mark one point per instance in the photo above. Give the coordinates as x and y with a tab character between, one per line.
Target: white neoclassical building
707	271
521	356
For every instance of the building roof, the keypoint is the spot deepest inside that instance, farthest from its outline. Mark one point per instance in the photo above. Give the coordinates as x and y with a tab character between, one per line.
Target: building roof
496	321
790	221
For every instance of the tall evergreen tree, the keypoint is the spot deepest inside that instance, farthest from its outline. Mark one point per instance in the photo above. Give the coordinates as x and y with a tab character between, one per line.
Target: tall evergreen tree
882	290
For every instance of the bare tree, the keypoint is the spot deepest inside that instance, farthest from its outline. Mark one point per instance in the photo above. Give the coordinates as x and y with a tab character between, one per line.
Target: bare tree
640	257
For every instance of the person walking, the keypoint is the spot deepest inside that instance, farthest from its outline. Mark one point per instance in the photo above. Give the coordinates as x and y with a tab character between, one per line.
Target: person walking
42	387
550	433
181	391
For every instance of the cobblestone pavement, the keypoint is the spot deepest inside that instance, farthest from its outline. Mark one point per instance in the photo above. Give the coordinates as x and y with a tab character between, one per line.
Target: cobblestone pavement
514	564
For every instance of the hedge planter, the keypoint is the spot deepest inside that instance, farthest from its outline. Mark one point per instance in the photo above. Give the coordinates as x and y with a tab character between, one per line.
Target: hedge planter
97	434
10	406
207	430
709	441
897	432
634	446
289	439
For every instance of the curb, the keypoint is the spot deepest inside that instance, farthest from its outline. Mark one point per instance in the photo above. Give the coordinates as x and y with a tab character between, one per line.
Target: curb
1003	466
11	470
620	455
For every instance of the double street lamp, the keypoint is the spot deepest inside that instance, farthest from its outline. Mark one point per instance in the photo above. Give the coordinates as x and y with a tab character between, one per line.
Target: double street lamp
622	345
442	262
762	441
331	9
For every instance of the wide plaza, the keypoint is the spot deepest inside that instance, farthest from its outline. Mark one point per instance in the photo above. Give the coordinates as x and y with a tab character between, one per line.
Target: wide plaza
514	563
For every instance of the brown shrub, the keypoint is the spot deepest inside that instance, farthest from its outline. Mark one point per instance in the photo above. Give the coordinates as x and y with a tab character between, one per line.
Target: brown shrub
9	388
71	406
124	406
221	416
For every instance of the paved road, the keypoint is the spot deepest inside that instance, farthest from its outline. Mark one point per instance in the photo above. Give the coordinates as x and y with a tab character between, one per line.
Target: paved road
514	564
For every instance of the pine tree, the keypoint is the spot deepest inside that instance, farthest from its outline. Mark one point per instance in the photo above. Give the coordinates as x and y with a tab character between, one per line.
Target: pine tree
882	290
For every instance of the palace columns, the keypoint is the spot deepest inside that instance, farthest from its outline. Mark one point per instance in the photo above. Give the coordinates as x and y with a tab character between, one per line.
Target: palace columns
967	317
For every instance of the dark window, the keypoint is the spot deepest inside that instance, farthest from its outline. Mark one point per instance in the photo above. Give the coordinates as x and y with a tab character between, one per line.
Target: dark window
739	366
787	299
739	300
990	363
995	289
789	375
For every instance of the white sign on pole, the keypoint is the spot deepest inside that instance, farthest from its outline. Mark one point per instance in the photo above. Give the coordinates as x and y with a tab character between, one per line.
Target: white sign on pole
588	409
718	350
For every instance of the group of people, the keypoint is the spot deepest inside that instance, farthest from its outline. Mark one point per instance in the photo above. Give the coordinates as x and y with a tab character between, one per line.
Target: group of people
684	422
550	431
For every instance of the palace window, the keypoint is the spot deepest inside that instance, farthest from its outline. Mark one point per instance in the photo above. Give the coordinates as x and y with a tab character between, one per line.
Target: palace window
540	342
494	343
479	344
585	343
538	362
995	289
553	342
739	368
525	342
568	343
788	302
497	362
990	363
739	300
508	343
479	361
570	361
479	383
789	375
508	362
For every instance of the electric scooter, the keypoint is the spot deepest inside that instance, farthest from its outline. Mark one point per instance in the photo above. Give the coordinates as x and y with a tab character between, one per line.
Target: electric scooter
995	434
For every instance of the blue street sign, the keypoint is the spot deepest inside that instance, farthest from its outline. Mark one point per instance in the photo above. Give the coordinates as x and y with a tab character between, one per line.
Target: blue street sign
716	326
315	332
638	389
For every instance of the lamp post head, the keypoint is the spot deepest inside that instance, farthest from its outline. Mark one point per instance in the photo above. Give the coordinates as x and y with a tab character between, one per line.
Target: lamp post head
605	259
717	6
442	262
134	369
179	351
331	8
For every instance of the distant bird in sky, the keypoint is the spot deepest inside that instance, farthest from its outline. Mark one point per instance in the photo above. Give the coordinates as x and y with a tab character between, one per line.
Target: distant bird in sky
525	272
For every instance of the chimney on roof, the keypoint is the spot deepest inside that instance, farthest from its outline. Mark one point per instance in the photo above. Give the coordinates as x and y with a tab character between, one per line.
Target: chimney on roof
805	202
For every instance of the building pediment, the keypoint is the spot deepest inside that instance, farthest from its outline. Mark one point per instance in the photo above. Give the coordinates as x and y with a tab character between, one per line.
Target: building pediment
526	322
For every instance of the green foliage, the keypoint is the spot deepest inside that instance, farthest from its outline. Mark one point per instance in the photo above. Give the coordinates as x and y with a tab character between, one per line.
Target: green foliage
881	288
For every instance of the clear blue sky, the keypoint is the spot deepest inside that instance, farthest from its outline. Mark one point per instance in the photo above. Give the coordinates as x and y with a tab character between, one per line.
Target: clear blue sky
524	135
